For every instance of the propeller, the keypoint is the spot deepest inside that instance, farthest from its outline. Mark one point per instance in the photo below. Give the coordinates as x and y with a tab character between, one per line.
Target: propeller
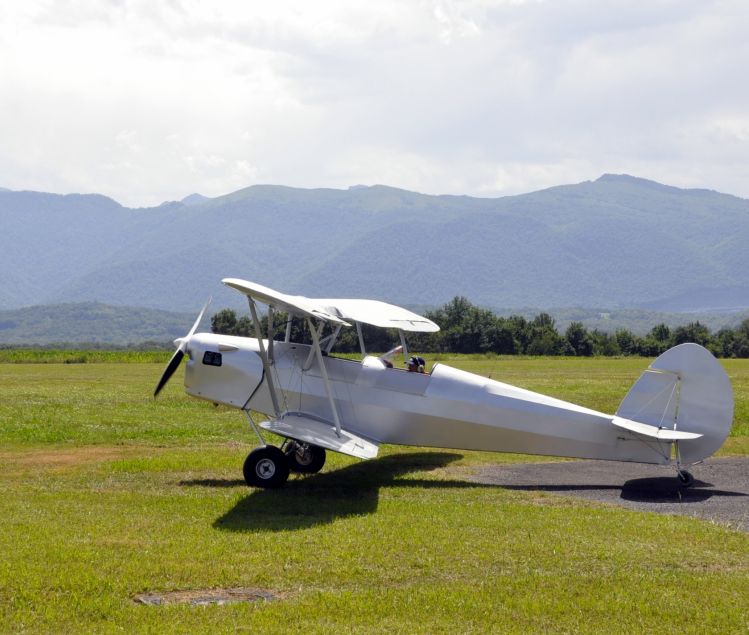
176	359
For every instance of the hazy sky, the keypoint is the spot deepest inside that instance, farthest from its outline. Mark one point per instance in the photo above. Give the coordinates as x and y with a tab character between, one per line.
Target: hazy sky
148	101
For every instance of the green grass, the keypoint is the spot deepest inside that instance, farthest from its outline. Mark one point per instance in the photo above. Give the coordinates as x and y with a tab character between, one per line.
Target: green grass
107	493
80	356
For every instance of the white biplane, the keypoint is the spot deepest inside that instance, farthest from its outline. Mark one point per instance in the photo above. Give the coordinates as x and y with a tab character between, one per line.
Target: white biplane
678	412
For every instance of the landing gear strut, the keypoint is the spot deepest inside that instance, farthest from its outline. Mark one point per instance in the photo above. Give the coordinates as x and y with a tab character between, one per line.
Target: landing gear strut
685	478
266	467
304	458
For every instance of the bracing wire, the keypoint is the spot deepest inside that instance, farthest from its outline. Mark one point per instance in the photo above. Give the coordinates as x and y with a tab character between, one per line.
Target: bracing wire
668	403
657	395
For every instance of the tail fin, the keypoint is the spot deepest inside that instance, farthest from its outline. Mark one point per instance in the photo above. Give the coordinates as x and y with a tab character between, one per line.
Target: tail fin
685	393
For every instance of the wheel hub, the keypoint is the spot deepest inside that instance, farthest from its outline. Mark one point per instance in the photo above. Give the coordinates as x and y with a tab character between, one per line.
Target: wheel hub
303	456
265	468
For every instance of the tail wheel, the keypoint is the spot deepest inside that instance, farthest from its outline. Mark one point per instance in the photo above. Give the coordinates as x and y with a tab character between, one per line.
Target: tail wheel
304	457
266	467
685	478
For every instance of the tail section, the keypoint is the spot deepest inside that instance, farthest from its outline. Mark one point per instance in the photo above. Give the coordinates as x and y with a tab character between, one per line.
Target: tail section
683	396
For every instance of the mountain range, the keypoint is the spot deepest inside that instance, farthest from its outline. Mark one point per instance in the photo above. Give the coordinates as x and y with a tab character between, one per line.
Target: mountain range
616	242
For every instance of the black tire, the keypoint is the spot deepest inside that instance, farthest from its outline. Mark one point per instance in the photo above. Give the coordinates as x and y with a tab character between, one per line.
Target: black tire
685	478
266	467
305	458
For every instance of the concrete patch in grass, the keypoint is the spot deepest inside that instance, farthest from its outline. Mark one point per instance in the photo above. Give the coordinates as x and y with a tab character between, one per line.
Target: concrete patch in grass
204	597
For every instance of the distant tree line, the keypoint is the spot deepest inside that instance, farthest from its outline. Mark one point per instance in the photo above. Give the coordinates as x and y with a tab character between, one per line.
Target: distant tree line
465	328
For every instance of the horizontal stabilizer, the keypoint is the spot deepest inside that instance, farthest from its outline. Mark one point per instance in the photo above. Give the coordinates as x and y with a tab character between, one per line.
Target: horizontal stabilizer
309	430
662	434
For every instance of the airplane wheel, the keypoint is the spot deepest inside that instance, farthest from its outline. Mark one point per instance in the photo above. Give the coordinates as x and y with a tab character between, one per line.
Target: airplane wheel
685	478
266	467
305	458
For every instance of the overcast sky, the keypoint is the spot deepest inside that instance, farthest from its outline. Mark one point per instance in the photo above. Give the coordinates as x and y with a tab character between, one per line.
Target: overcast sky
147	101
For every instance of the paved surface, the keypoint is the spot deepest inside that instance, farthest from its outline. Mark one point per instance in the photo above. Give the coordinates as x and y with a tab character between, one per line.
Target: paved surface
720	492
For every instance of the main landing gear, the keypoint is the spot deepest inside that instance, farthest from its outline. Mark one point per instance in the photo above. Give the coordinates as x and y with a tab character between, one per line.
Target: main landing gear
268	467
304	457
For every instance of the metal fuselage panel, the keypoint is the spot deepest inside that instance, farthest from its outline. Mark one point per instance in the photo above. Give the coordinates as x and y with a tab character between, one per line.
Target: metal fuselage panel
448	408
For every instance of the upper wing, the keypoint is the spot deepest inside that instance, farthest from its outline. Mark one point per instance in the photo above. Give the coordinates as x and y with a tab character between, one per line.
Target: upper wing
371	312
381	314
295	304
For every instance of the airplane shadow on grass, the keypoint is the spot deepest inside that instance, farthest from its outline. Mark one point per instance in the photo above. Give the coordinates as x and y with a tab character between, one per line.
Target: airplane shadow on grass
354	490
667	490
322	498
640	490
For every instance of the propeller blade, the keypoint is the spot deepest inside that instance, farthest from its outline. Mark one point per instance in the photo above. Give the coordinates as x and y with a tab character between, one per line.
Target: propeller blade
180	352
195	326
169	371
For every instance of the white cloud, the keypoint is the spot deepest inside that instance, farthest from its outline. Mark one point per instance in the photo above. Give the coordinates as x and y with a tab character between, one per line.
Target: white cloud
150	101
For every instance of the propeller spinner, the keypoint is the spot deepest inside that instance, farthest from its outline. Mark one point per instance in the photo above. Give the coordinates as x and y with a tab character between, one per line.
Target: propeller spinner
182	343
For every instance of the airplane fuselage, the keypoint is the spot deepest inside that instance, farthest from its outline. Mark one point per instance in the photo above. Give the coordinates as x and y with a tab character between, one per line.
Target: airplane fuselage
447	408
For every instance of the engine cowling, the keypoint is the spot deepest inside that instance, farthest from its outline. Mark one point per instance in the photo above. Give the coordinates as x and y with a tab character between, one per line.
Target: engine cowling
223	369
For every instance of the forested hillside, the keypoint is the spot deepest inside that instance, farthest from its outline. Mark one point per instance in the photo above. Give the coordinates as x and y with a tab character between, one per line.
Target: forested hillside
99	325
465	328
91	324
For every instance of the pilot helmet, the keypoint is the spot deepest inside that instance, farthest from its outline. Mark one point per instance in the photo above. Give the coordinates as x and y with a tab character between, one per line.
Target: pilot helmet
417	362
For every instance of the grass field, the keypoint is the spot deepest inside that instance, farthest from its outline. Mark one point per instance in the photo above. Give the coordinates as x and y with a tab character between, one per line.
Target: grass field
107	493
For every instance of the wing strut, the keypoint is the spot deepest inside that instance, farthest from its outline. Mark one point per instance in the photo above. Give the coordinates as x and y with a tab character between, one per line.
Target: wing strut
264	357
271	333
324	371
361	339
312	351
403	343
